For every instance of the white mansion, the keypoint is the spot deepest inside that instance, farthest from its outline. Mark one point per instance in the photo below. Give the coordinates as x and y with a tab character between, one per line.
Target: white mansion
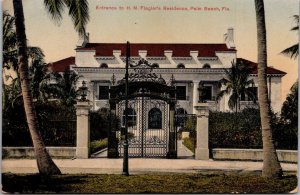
102	64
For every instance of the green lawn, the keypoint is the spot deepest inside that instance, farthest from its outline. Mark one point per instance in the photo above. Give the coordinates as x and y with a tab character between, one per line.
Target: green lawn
215	182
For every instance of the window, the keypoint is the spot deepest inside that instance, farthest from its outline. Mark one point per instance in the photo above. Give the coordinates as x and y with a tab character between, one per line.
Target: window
131	117
103	92
155	65
207	93
206	66
180	65
180	92
253	91
103	65
155	119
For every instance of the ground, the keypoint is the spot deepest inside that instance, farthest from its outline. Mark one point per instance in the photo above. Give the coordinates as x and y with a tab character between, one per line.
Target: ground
202	182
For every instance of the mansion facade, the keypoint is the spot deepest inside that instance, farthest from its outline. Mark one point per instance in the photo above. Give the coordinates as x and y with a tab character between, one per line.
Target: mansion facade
102	65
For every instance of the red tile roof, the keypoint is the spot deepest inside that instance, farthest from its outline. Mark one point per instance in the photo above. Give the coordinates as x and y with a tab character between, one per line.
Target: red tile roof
61	65
270	70
157	49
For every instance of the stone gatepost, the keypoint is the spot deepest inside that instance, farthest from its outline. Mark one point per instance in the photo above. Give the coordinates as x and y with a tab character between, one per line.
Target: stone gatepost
83	129
202	151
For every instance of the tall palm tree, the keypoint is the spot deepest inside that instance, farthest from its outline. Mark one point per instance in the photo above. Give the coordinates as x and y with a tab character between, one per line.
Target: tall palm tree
293	51
236	83
271	166
78	10
45	164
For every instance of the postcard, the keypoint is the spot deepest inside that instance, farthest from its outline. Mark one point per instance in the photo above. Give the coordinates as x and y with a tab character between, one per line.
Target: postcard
157	96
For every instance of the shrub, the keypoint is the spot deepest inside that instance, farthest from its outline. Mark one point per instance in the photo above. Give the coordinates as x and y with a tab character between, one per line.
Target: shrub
99	124
243	130
190	143
97	145
54	131
235	130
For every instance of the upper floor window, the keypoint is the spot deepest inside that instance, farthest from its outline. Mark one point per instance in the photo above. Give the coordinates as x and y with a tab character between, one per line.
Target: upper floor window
103	92
253	92
181	92
207	93
206	66
180	65
155	65
103	65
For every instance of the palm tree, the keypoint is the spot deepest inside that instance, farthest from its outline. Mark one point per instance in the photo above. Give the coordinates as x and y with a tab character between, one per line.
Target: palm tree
236	83
64	87
10	50
271	166
45	164
293	51
78	10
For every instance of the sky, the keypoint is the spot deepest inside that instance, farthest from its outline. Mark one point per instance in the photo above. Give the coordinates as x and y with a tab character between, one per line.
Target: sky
205	21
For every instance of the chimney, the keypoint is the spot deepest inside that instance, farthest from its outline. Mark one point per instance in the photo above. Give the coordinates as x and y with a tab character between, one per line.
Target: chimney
229	38
83	40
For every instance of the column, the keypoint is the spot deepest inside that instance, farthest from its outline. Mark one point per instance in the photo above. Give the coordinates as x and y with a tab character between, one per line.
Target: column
83	129
195	95
202	151
172	153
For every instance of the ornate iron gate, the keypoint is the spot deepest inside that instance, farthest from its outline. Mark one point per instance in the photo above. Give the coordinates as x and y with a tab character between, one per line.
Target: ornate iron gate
148	127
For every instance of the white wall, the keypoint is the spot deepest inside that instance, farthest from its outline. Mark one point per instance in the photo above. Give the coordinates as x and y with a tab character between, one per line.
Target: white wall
86	59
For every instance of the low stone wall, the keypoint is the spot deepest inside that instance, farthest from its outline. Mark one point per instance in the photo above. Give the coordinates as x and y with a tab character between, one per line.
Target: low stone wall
27	152
253	154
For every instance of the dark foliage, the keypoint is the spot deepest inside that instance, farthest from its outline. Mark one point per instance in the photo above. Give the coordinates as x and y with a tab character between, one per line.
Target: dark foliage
243	130
57	125
99	124
205	182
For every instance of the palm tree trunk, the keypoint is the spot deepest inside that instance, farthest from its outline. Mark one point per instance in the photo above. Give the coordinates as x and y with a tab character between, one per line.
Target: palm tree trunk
45	164
271	166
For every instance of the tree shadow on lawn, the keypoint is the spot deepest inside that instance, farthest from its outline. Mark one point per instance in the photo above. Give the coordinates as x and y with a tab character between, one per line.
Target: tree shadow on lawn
35	183
205	182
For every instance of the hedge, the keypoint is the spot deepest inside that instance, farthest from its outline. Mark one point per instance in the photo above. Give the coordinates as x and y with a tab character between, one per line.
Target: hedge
243	130
57	125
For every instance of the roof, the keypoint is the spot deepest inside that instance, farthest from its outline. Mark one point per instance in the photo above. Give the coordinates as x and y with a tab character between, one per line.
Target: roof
157	49
270	70
61	65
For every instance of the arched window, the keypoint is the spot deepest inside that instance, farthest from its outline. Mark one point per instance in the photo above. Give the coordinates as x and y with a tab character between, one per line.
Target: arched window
155	65
155	119
131	117
180	65
103	65
206	66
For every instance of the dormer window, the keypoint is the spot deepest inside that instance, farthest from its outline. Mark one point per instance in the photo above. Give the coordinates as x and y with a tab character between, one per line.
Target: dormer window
206	66
155	65
103	65
180	65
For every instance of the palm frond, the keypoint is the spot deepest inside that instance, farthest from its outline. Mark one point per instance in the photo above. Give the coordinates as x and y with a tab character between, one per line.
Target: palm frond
35	53
79	12
292	51
55	8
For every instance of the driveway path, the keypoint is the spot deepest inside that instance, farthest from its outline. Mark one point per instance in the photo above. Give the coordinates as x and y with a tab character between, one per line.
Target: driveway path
136	165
